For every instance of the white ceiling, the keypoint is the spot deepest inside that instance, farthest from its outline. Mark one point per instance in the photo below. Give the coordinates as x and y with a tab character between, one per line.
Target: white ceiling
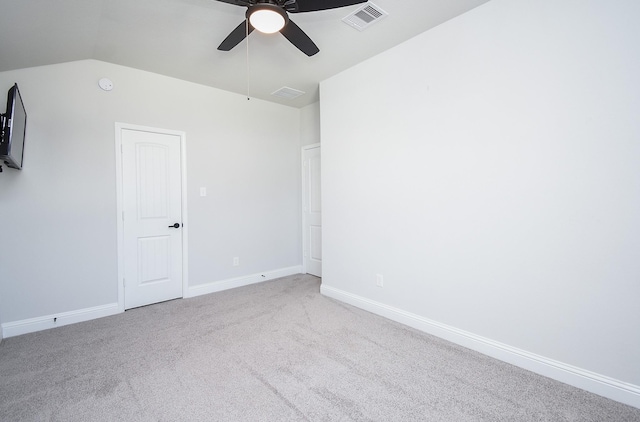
179	38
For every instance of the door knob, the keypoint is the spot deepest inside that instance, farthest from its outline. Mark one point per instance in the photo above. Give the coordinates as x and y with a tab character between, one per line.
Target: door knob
175	226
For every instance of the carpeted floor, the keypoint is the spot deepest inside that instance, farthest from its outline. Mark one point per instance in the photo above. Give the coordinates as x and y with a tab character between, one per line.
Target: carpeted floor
275	351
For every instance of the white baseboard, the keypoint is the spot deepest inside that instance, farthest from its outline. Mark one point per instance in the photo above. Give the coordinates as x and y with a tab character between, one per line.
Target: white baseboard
590	381
16	328
231	283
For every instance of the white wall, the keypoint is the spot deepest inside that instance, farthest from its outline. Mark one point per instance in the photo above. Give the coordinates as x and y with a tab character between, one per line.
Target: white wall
59	245
1	306
489	170
310	124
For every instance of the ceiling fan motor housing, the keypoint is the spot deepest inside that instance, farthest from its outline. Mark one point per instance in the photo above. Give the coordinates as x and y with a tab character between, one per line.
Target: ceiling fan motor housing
278	9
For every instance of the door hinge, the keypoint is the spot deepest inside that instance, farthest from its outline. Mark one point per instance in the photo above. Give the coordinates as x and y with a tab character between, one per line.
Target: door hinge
122	215
124	282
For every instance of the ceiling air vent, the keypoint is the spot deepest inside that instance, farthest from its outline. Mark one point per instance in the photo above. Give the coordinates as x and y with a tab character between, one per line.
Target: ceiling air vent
288	93
365	16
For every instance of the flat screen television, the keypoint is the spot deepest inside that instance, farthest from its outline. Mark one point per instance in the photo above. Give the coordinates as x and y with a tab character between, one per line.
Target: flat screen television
14	126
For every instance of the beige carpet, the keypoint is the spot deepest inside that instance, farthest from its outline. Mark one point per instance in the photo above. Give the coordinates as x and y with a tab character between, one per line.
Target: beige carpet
275	351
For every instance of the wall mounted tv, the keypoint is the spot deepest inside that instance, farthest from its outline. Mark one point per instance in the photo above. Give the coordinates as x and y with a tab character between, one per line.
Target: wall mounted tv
13	125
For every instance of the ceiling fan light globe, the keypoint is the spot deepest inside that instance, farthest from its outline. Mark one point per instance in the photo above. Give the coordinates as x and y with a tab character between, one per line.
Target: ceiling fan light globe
267	21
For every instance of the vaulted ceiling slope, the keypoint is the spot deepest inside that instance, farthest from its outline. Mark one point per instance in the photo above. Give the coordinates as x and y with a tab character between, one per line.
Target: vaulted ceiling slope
179	38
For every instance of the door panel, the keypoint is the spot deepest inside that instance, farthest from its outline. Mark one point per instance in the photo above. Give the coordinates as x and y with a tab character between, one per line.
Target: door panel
315	243
152	195
154	259
312	209
152	173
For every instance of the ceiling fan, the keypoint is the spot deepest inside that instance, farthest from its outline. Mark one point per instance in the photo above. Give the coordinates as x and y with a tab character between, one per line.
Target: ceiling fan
270	16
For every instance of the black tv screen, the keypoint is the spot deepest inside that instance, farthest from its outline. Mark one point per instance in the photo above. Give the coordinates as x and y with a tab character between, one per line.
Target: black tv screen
14	130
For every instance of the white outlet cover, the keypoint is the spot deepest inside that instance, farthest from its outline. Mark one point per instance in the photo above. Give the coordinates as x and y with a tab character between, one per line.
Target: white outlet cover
105	84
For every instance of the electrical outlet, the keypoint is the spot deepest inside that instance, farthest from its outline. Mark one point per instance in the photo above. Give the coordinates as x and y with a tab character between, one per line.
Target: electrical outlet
236	261
379	280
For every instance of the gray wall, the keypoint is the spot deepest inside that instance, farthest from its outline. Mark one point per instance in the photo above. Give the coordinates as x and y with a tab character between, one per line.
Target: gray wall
496	184
59	245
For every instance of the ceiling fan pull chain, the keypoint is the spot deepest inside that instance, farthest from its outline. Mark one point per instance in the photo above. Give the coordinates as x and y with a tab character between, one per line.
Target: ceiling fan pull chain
247	38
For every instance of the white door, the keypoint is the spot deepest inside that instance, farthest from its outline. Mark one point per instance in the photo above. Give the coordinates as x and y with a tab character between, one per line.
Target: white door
312	207
151	203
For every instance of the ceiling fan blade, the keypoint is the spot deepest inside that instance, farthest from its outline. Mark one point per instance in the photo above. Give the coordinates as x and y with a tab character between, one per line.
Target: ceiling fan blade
235	36
315	5
236	2
297	37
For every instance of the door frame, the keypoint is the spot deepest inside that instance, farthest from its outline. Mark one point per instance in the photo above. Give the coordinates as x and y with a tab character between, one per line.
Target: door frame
119	127
302	202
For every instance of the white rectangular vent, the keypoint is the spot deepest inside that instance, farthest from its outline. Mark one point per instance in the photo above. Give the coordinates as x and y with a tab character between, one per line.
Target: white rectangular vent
288	93
365	16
